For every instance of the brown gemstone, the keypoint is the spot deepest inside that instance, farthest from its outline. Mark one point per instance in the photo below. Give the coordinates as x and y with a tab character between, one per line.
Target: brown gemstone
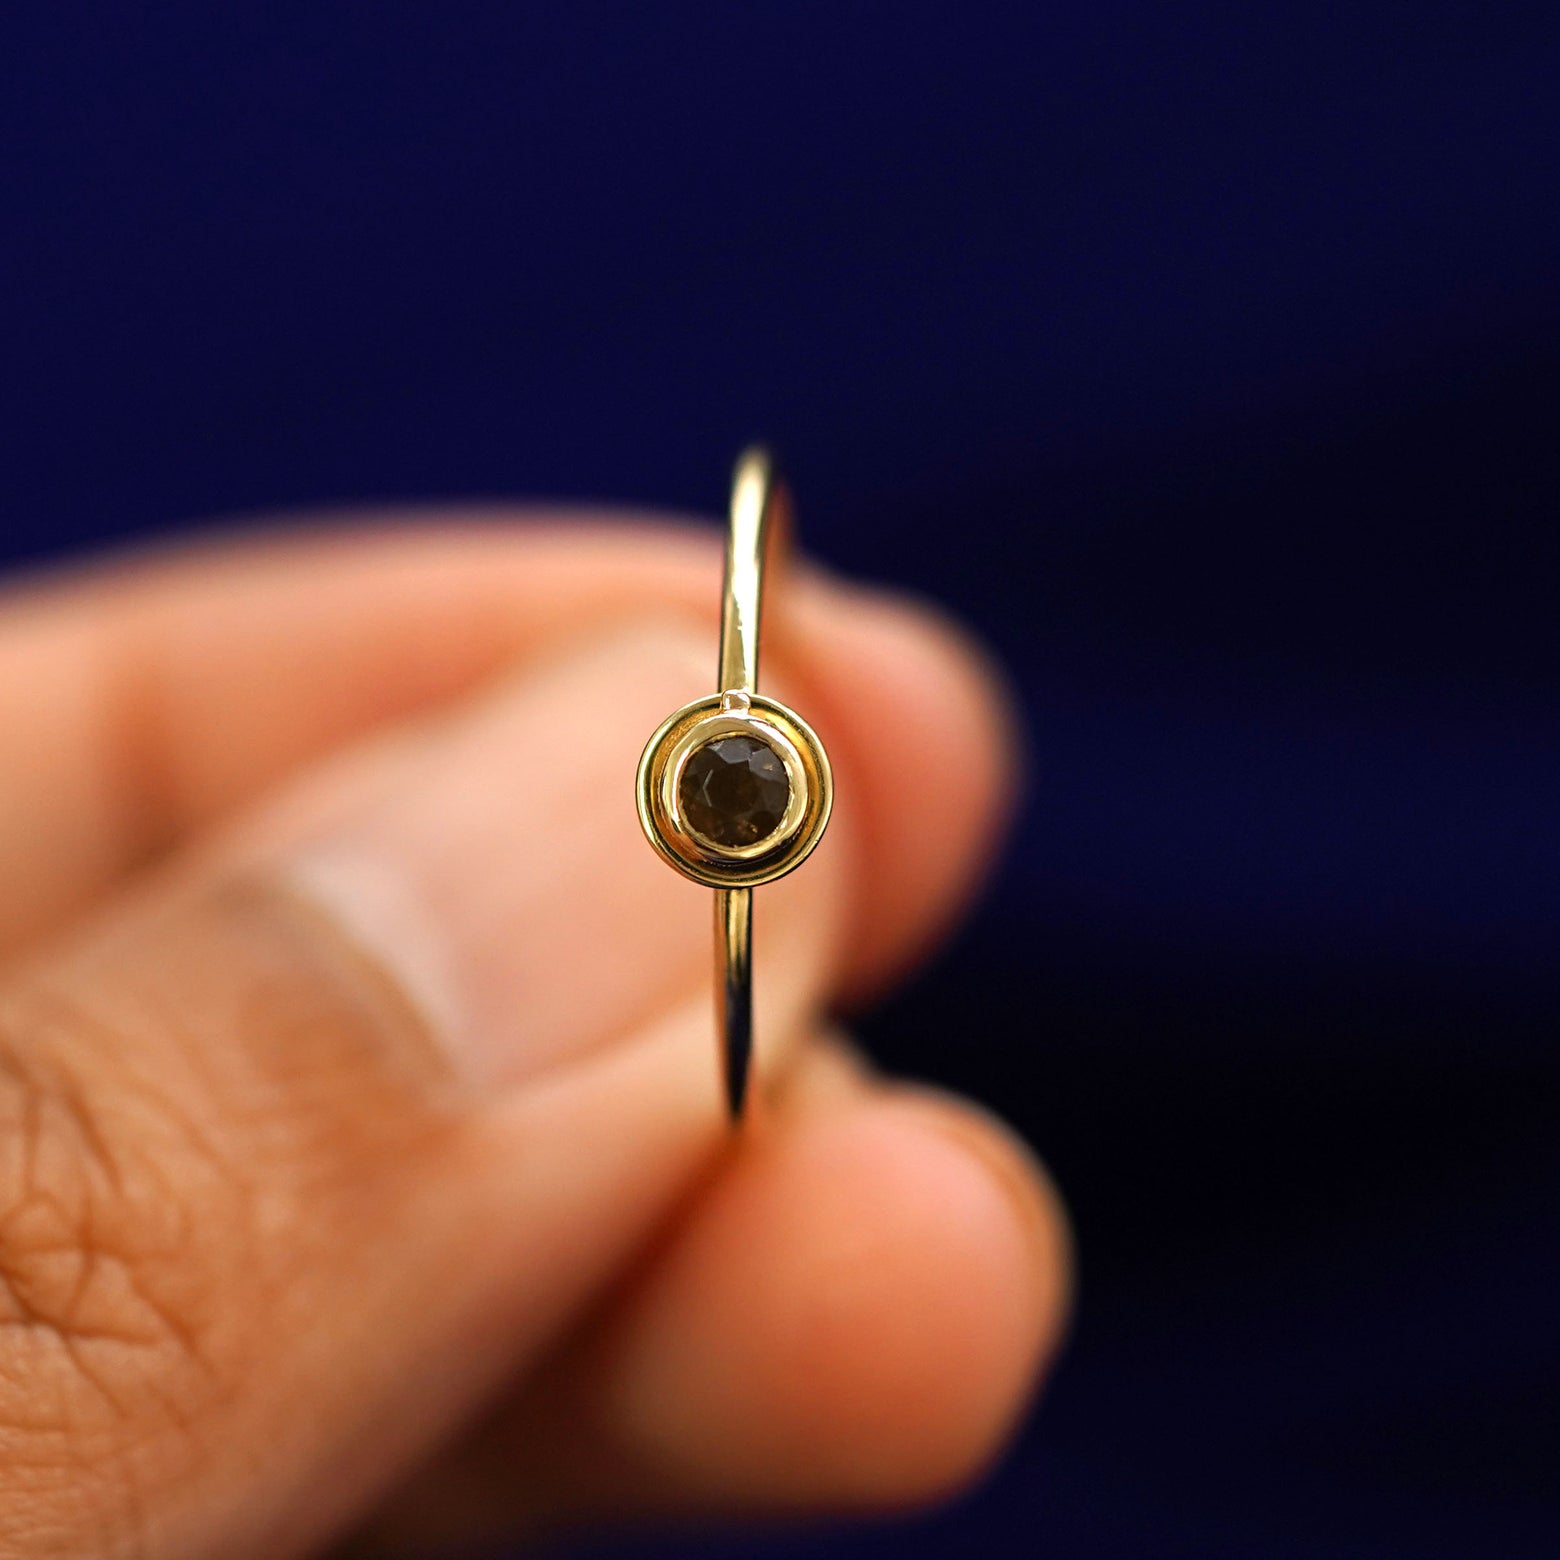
733	791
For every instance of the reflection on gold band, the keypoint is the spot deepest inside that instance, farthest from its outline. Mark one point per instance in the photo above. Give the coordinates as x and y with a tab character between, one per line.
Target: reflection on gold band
757	533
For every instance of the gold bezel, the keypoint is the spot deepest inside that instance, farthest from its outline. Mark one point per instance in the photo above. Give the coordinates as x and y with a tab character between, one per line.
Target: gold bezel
806	813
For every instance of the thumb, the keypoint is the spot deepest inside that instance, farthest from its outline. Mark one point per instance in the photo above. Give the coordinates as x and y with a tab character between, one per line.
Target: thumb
339	1119
314	1137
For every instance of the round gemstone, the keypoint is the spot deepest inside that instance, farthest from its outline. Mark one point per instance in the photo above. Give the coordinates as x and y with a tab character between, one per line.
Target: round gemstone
733	791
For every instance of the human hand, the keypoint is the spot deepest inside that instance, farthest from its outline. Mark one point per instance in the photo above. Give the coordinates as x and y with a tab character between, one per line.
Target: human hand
362	1163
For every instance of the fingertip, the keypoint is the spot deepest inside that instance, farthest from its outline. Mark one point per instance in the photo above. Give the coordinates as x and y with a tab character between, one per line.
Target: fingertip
1040	1215
918	714
855	1317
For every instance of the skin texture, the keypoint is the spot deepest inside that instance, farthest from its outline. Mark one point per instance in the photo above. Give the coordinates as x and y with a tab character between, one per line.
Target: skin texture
362	1171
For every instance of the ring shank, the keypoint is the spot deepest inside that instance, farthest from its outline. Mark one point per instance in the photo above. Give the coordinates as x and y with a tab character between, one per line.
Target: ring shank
760	517
755	538
734	1004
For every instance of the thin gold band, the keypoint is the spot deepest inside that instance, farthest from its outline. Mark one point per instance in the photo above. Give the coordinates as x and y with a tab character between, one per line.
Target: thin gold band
734	992
755	530
760	519
750	838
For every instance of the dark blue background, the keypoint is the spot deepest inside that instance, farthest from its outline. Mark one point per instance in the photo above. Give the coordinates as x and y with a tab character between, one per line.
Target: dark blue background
1209	359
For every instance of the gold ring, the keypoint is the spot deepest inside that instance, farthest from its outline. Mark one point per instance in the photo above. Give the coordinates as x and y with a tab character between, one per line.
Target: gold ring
734	789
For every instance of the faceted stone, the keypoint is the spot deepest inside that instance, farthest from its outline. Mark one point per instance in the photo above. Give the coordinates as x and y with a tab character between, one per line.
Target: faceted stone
733	791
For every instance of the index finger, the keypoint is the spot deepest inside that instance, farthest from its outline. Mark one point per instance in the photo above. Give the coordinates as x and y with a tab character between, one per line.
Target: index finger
145	700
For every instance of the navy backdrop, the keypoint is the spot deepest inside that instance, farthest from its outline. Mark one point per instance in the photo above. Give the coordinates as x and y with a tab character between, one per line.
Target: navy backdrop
1208	358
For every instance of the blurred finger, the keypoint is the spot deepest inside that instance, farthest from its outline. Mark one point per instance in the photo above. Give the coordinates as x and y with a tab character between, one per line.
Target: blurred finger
145	700
849	1317
319	1132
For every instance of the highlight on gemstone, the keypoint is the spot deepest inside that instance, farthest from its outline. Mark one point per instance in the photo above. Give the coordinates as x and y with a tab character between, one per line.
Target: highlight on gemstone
733	791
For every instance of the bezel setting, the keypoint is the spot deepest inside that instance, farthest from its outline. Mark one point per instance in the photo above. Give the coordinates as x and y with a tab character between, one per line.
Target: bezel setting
706	720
